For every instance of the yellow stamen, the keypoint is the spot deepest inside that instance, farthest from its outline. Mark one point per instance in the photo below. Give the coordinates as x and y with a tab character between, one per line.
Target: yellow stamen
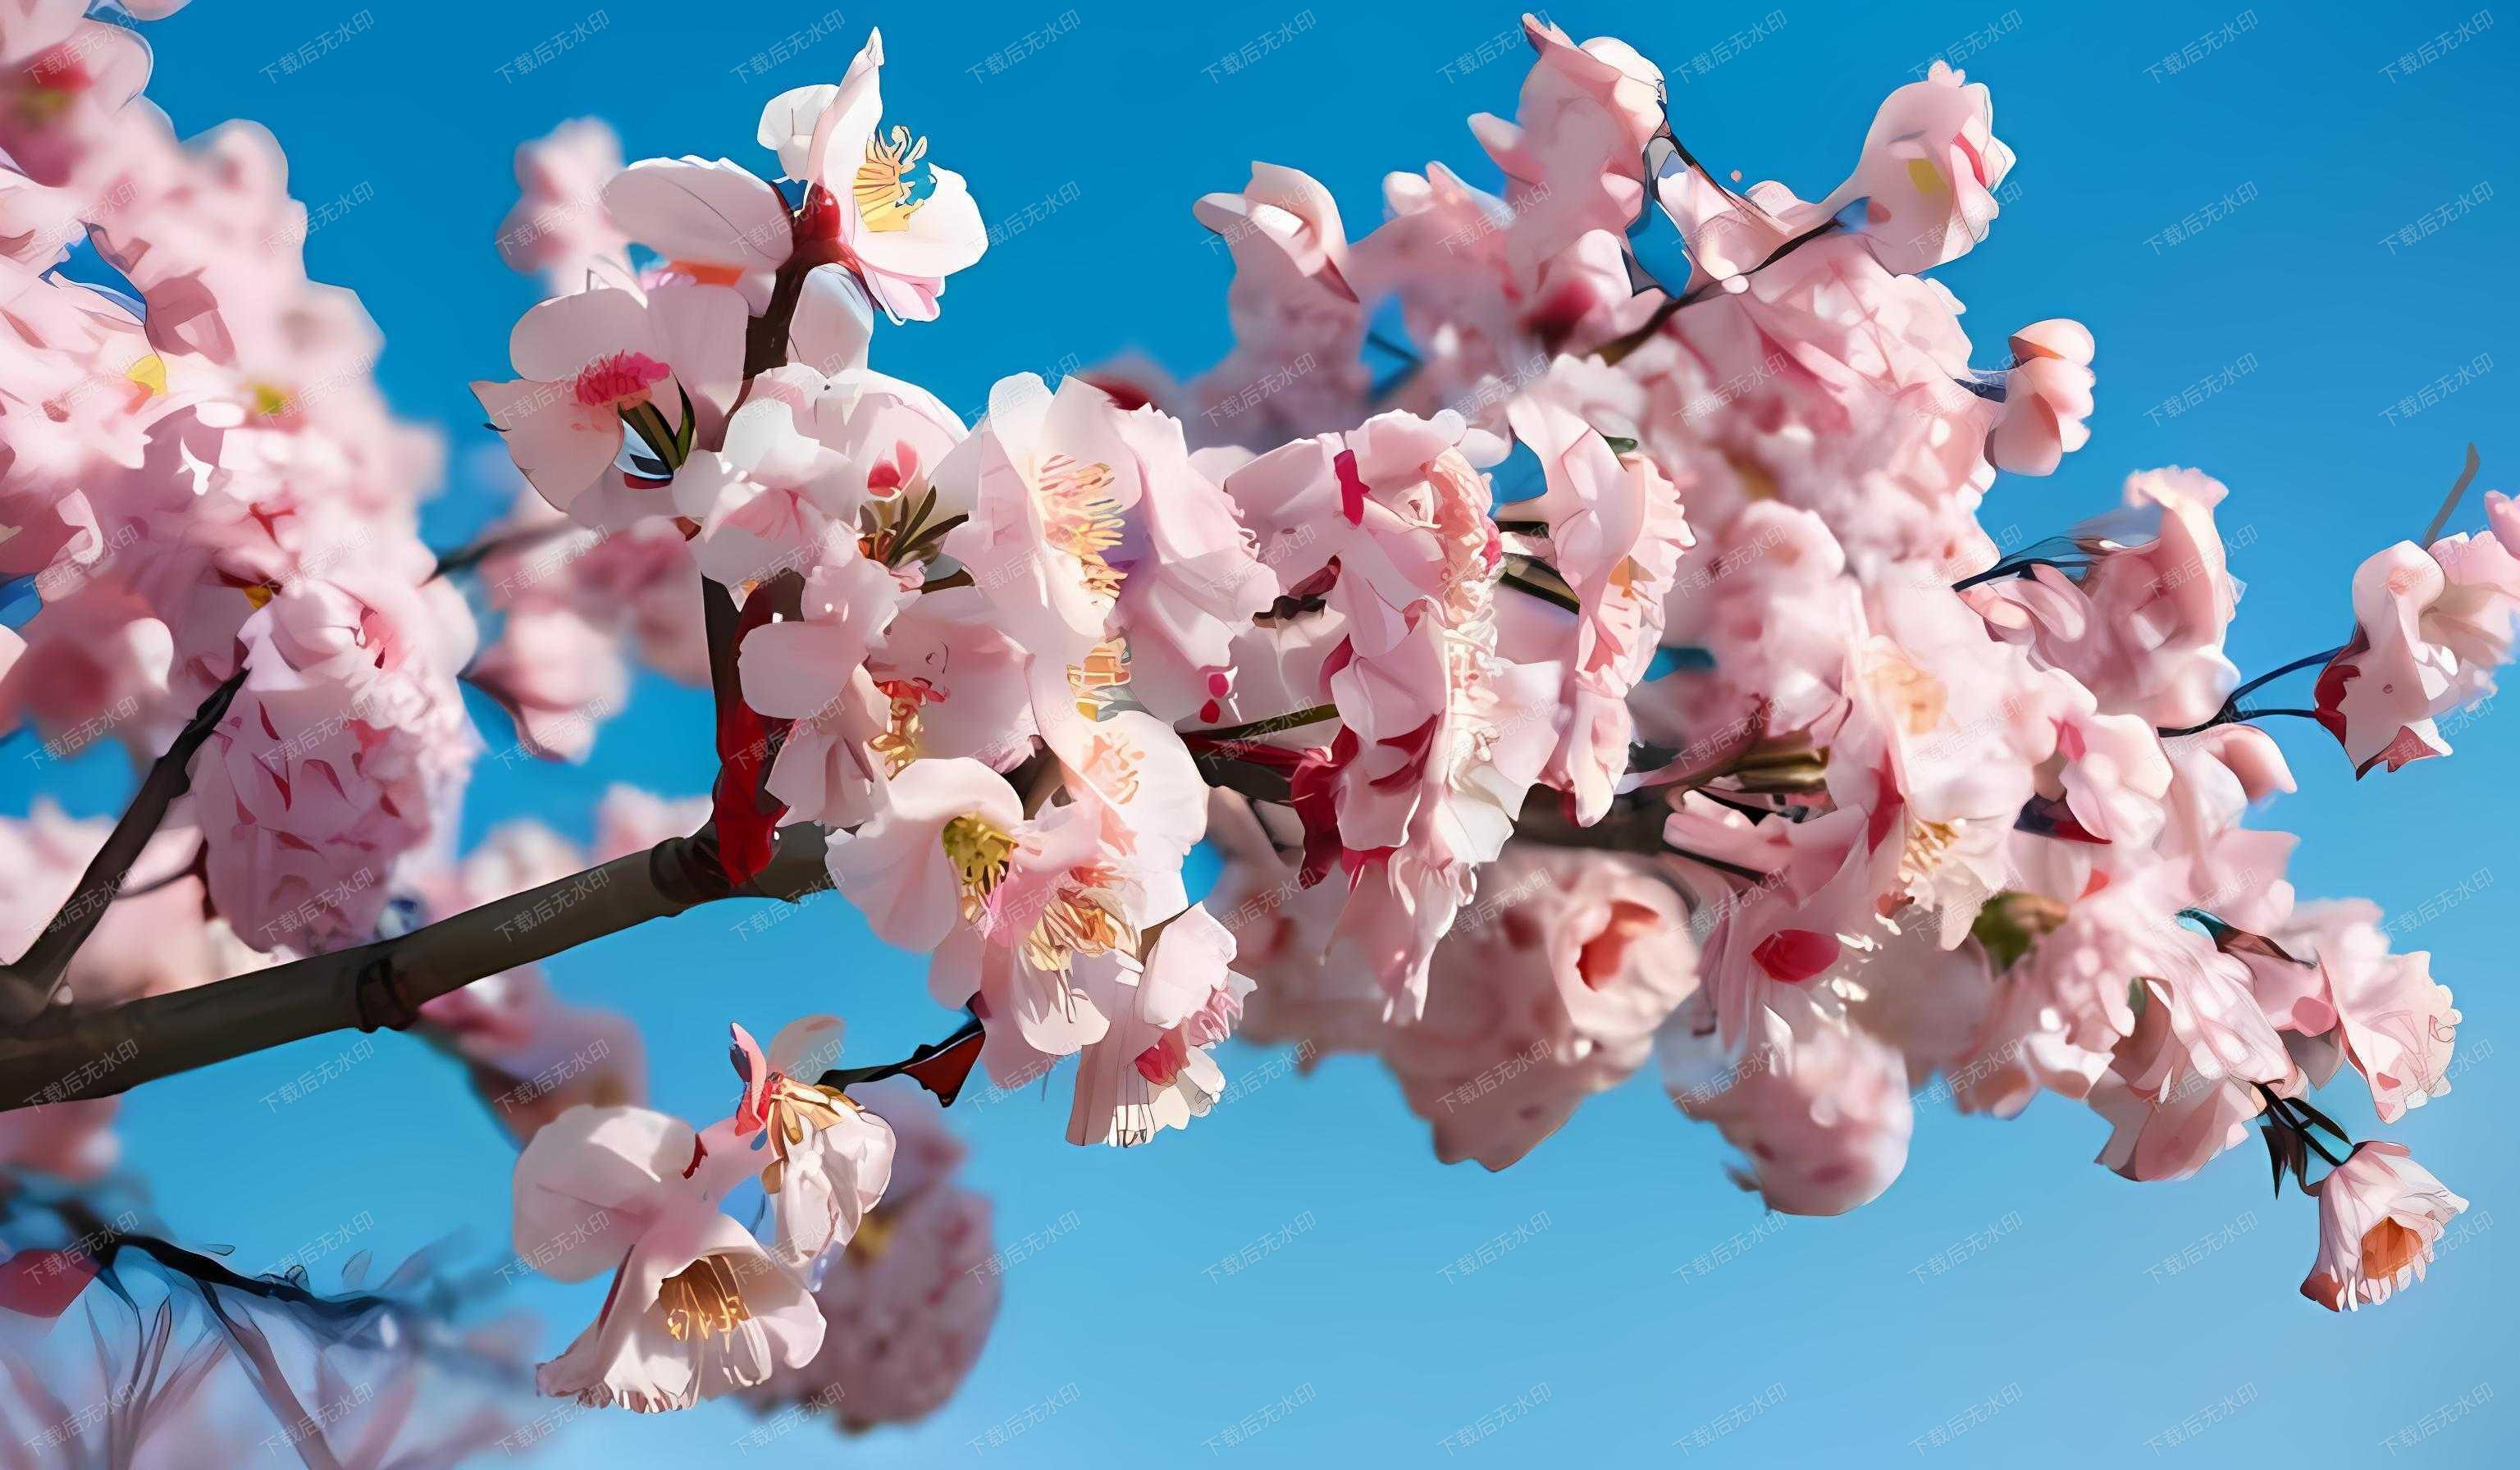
1928	844
898	743
1100	683
703	1300
979	850
882	189
1080	517
873	1237
1083	918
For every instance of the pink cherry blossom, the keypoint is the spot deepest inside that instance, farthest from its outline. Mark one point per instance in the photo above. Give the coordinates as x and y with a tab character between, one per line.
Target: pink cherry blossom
1574	153
1297	320
1930	167
2429	628
337	757
1153	1068
1821	1108
910	1302
941	831
558	227
903	223
2046	396
1548	988
696	1309
812	670
830	1157
2379	1215
585	362
714	223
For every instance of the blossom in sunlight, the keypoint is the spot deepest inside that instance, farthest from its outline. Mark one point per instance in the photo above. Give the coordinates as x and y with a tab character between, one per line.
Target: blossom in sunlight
2430	626
667	361
910	1301
697	1308
830	1157
1596	622
895	217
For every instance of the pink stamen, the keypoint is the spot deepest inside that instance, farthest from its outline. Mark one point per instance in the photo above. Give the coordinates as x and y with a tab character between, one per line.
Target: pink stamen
620	380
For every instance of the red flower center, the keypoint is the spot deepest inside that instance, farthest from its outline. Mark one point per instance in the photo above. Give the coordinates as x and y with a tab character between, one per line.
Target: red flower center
620	380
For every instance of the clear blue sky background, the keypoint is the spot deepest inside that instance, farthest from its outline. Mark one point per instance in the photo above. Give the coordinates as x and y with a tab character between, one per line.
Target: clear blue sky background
2086	1352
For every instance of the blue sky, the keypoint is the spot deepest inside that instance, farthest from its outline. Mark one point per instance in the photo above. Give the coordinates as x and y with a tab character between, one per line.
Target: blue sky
2067	1336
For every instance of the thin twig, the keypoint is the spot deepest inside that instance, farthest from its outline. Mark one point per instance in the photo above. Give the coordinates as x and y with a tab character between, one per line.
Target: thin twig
2457	493
169	777
2304	662
474	554
1541	580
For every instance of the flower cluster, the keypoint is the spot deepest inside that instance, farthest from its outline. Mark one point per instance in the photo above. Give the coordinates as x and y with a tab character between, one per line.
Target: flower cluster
1628	674
1690	578
698	1307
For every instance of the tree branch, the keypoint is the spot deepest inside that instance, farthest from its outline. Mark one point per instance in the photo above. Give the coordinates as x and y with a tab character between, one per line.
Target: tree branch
170	776
492	542
68	1053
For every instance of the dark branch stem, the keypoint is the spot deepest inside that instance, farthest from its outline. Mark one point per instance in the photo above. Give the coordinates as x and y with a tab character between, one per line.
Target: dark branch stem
1226	734
849	1077
169	777
66	1054
765	336
473	554
1615	350
2306	661
2449	506
2015	568
1541	580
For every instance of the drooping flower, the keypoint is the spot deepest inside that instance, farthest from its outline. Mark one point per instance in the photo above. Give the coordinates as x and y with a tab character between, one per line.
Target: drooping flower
697	1308
1547	989
830	1158
2046	396
1821	1108
2430	626
1153	1068
910	1301
2379	1215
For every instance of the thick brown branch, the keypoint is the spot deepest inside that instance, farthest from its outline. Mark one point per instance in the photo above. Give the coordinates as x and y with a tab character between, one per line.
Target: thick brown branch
69	1053
41	966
